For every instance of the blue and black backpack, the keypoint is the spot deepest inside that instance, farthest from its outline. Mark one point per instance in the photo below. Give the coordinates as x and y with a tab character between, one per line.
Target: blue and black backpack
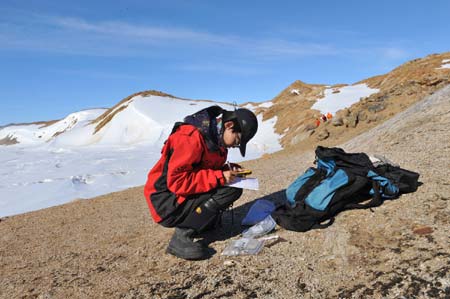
341	181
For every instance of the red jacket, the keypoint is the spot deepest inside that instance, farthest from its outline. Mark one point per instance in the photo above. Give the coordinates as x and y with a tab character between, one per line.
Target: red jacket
186	167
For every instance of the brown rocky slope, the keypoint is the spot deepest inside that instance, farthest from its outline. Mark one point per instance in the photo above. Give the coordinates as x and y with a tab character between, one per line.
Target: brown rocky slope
398	89
108	247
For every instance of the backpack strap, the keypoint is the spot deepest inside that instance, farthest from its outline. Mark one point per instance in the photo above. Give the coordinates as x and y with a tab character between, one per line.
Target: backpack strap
176	126
374	202
310	184
323	225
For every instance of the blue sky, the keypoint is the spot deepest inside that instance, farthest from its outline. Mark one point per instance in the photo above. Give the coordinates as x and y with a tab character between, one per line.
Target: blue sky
58	57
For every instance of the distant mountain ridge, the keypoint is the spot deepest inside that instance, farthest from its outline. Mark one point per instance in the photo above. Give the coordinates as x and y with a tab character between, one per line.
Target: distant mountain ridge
385	95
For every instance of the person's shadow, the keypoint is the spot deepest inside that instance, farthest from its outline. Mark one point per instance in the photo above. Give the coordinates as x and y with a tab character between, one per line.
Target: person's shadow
230	222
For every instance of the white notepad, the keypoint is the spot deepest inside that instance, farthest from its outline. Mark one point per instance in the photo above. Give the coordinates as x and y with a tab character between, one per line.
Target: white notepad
245	183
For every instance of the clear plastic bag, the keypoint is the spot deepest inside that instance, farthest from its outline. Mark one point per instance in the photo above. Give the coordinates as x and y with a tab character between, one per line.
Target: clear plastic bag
260	229
243	246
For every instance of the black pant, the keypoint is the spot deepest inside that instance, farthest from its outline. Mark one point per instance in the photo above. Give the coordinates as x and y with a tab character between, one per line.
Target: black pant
182	217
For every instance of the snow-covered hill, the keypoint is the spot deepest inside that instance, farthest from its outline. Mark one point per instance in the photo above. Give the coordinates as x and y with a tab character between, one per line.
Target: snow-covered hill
98	151
142	119
36	134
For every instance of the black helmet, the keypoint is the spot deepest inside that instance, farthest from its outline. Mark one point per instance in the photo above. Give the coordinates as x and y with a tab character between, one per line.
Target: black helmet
249	125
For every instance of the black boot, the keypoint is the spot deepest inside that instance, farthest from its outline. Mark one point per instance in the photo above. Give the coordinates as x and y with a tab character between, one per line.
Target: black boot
182	245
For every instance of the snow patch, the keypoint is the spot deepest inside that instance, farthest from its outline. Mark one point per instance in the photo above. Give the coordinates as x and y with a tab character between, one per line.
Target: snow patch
249	106
445	64
347	96
266	105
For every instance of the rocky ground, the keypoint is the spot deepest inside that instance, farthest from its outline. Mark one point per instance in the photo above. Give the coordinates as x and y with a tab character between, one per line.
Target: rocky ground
108	247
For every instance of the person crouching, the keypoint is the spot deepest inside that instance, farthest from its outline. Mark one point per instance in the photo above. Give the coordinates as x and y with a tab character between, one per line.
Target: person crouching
186	188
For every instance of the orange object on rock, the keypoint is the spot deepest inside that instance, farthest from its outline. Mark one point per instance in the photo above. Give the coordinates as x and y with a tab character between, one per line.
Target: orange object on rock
317	122
329	115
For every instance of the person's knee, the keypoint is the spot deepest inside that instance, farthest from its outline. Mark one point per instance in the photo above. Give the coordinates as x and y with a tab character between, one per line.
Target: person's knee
229	192
236	193
225	196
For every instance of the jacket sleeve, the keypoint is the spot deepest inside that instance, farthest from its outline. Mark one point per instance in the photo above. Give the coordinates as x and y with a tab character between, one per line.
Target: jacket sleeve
183	178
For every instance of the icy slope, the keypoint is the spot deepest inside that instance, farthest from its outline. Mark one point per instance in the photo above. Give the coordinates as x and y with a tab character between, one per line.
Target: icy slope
75	158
